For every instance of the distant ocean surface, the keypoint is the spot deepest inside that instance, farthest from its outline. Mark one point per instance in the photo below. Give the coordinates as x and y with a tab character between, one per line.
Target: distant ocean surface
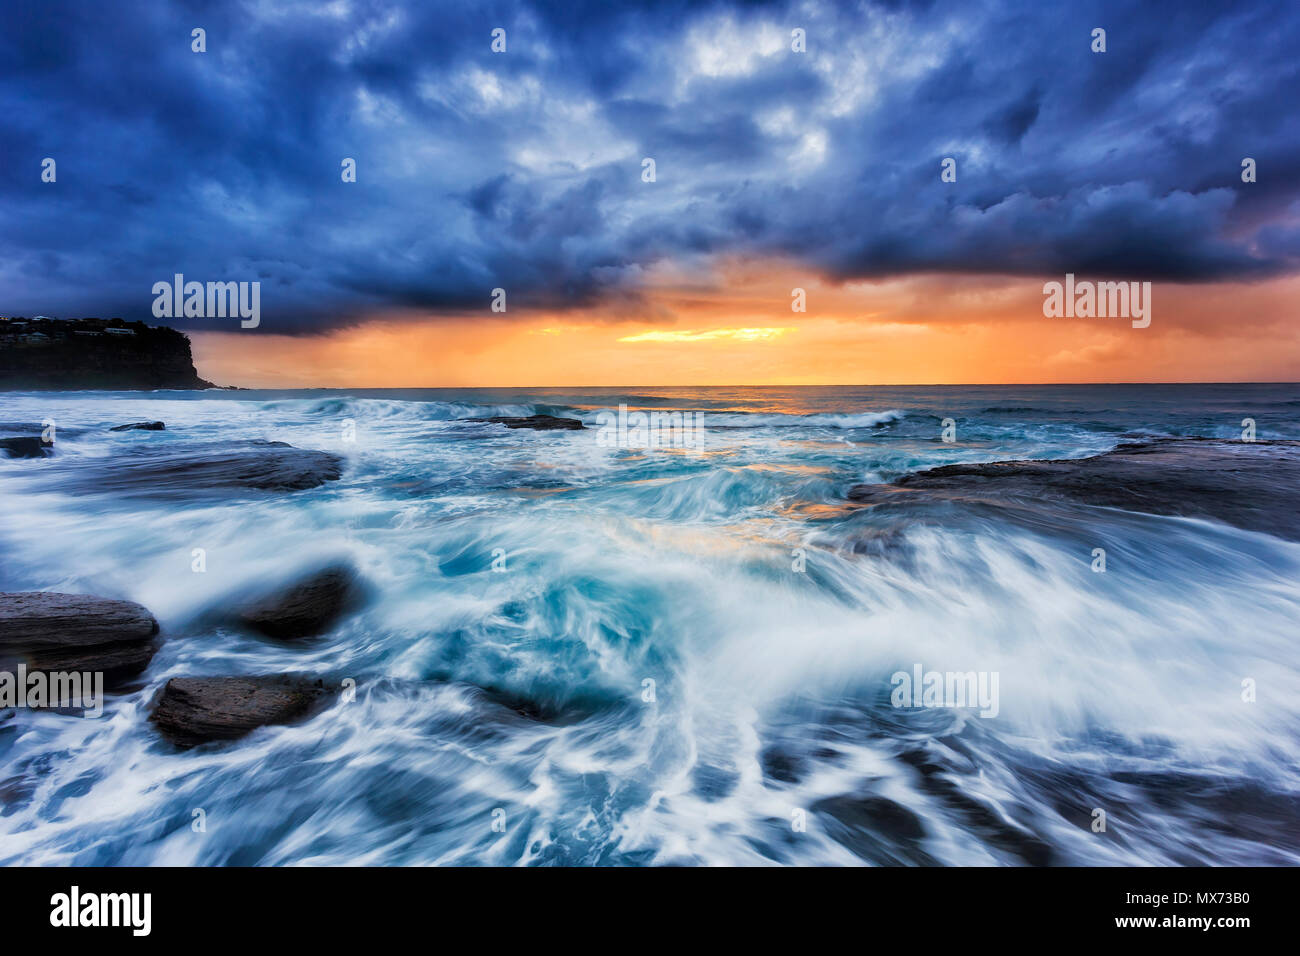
670	574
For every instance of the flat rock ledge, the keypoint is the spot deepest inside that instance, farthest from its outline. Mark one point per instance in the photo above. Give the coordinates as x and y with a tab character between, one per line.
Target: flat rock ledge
48	631
189	711
1250	485
541	423
259	465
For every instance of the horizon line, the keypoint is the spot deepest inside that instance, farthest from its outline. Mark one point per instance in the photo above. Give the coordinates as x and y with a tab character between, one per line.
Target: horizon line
290	388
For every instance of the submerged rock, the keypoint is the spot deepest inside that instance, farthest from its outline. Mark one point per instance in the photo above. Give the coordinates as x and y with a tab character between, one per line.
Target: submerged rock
193	710
875	828
40	428
541	706
1250	485
935	776
139	426
75	632
260	465
307	608
26	447
541	423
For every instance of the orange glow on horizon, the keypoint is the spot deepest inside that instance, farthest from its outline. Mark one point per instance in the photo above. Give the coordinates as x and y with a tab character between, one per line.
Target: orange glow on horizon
708	335
737	328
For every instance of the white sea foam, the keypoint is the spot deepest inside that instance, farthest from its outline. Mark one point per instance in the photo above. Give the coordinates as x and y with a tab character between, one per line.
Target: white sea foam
522	690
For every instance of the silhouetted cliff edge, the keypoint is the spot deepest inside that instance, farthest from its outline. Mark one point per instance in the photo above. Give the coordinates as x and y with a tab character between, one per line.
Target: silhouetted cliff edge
94	353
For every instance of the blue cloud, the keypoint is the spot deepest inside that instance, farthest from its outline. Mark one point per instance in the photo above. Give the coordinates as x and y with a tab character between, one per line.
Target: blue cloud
522	170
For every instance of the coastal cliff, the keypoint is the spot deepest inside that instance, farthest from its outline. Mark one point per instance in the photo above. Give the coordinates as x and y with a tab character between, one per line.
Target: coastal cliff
94	354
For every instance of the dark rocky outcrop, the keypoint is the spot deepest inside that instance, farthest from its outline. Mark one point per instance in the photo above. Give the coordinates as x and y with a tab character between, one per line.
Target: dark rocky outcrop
260	465
94	353
26	447
75	632
139	426
541	423
194	710
1251	485
305	609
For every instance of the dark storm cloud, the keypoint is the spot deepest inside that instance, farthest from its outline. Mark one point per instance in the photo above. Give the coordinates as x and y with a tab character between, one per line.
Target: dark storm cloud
523	170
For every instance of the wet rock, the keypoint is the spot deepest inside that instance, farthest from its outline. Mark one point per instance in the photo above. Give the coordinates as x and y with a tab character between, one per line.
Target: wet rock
16	792
42	429
541	423
782	765
26	447
982	820
117	662
891	819
139	426
194	710
307	608
876	829
541	706
258	465
38	428
1251	485
75	632
886	542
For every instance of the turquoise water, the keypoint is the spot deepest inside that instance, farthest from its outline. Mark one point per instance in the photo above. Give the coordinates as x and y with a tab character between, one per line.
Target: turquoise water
768	614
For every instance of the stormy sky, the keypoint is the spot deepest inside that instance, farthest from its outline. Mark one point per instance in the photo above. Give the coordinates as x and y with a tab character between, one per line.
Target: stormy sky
523	169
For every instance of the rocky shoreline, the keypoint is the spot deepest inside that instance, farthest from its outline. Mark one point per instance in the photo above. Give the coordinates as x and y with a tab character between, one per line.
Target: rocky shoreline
1249	485
48	633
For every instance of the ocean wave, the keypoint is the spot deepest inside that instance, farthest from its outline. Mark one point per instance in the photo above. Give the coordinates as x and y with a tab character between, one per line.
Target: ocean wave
377	409
641	657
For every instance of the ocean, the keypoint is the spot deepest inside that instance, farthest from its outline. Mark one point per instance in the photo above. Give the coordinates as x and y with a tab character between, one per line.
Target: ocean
578	651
